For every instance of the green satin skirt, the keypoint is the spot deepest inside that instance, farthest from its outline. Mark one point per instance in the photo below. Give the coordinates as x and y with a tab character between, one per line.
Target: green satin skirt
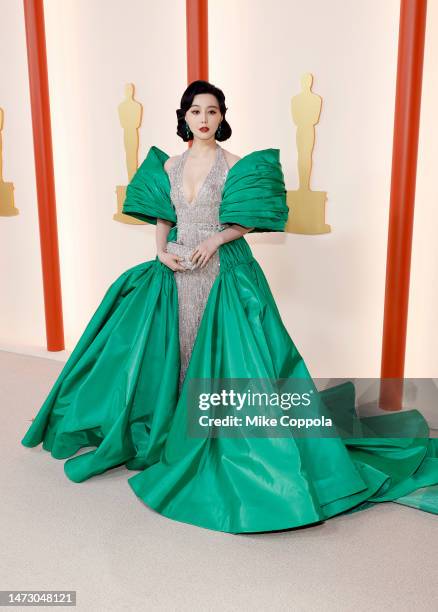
118	393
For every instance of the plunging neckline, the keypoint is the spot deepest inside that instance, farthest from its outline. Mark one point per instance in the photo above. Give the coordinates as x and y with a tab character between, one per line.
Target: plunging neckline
195	199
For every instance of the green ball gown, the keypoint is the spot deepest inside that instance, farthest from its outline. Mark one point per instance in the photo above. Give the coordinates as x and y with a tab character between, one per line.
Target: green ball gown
118	393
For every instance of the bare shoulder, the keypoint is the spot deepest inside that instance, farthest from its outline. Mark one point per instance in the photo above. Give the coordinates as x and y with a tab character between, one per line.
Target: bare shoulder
170	161
230	157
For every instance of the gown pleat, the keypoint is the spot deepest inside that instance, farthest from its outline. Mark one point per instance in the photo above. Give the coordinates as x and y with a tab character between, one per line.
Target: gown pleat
110	392
263	484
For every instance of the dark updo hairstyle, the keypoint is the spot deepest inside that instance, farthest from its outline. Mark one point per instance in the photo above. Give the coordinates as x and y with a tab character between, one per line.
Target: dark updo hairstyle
200	87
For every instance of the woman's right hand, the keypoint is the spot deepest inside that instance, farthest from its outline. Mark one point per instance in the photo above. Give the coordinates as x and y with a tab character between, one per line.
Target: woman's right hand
171	261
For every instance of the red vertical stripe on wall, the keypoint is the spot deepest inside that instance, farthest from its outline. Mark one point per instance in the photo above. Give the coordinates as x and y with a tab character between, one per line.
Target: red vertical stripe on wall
401	214
42	142
197	40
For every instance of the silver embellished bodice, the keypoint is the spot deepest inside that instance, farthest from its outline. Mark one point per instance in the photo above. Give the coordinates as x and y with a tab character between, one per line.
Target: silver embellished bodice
200	218
196	221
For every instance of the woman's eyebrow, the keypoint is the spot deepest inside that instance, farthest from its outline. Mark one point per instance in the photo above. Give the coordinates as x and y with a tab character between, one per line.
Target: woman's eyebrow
209	106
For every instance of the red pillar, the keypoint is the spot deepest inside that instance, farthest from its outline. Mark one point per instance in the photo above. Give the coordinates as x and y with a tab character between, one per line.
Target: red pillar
197	40
42	142
401	214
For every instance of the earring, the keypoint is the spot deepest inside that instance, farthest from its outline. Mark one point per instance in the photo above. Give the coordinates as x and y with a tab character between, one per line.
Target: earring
219	130
188	131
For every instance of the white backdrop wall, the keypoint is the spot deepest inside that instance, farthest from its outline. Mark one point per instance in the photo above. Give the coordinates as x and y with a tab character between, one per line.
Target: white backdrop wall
422	336
329	288
21	301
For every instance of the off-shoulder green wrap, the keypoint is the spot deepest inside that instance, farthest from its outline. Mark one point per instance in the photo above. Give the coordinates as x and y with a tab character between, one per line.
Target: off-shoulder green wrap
253	194
148	193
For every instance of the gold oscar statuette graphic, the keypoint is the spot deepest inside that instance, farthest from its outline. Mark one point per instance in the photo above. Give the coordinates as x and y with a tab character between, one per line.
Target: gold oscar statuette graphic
130	114
306	207
7	207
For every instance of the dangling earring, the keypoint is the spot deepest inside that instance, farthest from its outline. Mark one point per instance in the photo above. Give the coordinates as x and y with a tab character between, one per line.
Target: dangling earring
219	130
188	131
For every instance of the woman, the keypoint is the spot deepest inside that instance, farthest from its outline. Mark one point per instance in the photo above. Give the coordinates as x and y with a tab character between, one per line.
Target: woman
203	311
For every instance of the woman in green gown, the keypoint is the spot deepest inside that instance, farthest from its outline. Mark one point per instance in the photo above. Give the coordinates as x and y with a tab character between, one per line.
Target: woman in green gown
203	310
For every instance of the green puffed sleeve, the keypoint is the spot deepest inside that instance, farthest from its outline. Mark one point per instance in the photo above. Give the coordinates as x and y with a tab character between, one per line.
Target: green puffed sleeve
148	192
254	193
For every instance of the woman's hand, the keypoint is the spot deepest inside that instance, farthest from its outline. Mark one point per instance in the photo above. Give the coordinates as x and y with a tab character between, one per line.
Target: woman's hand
171	261
205	250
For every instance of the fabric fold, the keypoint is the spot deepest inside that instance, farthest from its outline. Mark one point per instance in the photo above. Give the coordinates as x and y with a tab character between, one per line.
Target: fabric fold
118	389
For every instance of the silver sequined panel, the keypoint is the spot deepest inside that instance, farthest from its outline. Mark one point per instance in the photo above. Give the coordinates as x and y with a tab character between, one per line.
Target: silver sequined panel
195	222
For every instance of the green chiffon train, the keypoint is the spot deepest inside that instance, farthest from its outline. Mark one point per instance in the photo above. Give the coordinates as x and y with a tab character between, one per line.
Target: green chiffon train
118	391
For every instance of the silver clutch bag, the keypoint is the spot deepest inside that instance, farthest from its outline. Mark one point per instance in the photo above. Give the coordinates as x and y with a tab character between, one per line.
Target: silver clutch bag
182	251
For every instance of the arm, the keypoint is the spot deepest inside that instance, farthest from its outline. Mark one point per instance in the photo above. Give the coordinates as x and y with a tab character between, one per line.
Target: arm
169	259
208	247
162	231
235	230
232	233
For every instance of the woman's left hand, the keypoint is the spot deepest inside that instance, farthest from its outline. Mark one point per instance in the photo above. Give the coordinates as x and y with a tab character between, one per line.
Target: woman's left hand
205	250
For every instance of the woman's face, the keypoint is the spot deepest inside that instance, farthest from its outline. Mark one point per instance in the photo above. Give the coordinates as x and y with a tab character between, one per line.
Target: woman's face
204	112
